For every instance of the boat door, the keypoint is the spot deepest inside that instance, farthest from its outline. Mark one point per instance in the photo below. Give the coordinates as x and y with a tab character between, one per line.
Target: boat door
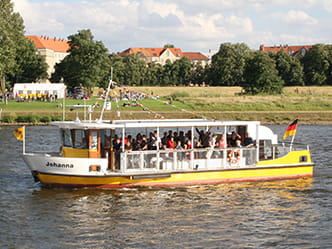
94	144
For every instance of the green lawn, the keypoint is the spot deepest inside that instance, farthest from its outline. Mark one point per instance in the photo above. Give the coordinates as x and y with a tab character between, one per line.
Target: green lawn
213	102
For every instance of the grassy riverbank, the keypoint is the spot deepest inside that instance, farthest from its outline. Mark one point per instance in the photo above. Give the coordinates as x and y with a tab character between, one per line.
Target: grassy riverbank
313	105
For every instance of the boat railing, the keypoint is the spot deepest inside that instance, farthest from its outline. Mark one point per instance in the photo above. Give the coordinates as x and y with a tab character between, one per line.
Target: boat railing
190	159
284	148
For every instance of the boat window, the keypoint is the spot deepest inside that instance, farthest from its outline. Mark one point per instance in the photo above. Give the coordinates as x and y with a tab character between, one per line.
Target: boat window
94	140
80	139
66	138
265	149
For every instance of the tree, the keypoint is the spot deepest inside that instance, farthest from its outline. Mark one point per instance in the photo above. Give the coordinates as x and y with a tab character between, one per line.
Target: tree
317	65
119	68
30	66
290	69
198	73
87	64
261	75
228	64
11	27
329	71
181	71
19	60
135	70
168	46
154	74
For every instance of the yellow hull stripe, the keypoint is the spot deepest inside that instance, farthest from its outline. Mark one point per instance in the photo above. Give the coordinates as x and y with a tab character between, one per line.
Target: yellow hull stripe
182	178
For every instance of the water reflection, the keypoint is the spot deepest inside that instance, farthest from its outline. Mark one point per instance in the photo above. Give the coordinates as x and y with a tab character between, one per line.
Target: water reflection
147	217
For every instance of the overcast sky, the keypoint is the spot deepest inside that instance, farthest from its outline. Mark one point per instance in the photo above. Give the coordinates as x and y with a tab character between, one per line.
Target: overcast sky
192	25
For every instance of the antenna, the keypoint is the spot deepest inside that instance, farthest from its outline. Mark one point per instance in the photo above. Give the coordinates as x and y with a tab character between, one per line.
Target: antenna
106	97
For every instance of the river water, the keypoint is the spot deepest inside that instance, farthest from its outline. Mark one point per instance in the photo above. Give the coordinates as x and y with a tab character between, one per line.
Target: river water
277	214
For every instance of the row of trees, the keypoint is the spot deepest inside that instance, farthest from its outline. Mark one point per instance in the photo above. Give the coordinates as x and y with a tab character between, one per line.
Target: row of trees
89	64
233	65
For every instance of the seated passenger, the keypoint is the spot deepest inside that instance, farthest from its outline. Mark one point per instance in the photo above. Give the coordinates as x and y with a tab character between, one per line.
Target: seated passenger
248	141
235	136
188	145
238	144
128	146
178	146
170	143
144	143
222	142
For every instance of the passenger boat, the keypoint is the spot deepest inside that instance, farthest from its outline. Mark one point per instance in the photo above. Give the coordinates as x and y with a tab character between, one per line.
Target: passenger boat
89	155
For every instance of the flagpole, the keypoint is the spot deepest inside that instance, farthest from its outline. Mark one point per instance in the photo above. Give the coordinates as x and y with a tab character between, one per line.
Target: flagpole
23	140
291	144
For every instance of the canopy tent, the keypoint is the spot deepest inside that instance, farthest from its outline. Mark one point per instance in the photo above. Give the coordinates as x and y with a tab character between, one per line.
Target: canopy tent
54	89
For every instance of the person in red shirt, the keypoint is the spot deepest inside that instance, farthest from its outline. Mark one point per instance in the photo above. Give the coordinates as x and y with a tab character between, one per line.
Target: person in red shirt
170	143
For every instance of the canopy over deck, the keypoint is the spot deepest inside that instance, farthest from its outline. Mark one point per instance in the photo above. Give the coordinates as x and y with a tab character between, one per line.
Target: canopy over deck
160	123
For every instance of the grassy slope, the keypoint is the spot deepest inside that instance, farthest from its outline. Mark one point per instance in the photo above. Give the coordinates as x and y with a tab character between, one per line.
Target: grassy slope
312	104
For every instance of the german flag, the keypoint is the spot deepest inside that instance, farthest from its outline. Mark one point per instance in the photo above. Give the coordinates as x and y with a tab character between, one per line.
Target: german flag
19	133
291	129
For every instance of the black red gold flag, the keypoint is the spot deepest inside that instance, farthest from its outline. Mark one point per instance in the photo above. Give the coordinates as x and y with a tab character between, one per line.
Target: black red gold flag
291	129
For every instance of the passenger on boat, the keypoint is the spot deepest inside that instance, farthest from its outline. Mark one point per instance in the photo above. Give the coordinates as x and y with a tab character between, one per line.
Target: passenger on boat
248	141
235	136
164	139
128	146
117	147
188	135
179	147
204	137
222	143
213	141
238	144
170	143
169	135
144	143
154	140
188	145
181	138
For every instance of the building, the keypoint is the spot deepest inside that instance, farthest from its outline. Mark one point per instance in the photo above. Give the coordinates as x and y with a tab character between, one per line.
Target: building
161	55
197	57
294	51
52	49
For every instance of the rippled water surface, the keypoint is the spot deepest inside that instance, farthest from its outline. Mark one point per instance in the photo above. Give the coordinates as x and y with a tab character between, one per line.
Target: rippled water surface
278	214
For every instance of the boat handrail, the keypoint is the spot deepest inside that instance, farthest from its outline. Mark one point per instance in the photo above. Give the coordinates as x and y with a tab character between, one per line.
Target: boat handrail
184	159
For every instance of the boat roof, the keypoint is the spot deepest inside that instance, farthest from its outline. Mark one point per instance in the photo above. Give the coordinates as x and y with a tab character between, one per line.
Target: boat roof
149	123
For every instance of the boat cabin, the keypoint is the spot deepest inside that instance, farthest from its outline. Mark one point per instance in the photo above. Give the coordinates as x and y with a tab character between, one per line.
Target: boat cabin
168	145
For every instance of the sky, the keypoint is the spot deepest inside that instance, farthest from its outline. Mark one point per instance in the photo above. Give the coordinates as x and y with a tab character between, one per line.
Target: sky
192	25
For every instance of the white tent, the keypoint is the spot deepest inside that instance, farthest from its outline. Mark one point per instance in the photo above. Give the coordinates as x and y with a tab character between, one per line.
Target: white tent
53	89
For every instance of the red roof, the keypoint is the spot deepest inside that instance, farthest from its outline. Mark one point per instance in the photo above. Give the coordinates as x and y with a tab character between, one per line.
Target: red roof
195	56
292	50
151	52
58	45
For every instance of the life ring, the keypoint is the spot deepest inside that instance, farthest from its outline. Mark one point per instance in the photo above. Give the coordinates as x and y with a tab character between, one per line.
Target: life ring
232	158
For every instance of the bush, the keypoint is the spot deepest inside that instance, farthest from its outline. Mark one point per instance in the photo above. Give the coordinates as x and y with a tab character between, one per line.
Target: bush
56	118
28	119
45	119
8	119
